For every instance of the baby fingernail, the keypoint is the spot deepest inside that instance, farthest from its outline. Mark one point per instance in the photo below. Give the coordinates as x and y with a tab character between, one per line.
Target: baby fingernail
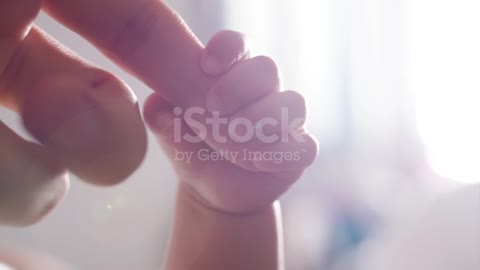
159	114
164	121
213	101
223	50
212	65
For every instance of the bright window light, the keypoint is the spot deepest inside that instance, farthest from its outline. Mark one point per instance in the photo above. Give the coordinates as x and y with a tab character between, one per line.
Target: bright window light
298	35
444	64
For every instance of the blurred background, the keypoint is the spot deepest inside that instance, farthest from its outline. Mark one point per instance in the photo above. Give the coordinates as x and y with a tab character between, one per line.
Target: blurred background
392	90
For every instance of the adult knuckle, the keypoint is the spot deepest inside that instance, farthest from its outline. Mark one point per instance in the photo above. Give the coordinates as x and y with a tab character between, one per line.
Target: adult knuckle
134	33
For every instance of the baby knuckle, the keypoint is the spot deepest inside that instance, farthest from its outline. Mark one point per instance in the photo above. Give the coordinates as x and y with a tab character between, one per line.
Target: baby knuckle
268	66
294	98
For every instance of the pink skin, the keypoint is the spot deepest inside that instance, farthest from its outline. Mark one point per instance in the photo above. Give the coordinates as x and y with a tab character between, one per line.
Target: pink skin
19	259
222	185
225	186
248	89
100	135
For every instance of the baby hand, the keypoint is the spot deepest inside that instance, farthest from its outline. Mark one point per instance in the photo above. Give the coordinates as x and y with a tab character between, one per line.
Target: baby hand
247	145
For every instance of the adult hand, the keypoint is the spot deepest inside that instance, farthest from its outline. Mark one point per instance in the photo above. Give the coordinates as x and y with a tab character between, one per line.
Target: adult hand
85	119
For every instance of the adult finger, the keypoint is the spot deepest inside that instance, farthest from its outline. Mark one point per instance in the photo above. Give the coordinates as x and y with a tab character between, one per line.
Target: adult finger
16	18
147	38
32	181
85	116
101	137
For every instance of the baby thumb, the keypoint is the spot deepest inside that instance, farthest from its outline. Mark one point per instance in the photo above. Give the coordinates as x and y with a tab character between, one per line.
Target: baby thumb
169	128
224	50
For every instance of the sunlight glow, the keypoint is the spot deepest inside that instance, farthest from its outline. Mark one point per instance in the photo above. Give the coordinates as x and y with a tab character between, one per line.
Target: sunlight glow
315	66
445	75
298	35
